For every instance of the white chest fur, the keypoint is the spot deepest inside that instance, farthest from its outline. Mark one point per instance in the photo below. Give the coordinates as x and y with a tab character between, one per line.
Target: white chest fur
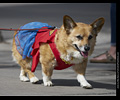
73	57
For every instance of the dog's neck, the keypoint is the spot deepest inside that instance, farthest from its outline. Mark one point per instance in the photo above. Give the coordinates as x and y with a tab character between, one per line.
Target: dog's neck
61	41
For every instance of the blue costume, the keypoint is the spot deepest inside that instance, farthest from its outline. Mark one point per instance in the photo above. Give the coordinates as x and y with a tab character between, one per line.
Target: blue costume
25	39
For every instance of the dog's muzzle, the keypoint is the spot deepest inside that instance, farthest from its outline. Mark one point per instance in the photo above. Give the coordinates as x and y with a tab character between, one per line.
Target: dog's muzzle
83	53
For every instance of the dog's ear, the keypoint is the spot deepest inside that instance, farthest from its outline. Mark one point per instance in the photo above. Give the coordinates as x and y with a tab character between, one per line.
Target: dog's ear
68	23
97	25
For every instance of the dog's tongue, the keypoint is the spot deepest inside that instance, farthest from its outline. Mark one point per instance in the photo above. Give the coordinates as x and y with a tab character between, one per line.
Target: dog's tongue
85	54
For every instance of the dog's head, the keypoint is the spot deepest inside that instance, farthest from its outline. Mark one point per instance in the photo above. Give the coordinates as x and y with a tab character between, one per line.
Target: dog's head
82	37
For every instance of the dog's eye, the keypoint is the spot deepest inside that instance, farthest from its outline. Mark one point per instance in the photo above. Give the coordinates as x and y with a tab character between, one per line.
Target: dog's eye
90	37
79	37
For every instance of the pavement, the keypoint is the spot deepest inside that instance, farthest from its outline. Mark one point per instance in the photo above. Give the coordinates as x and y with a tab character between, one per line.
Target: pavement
101	76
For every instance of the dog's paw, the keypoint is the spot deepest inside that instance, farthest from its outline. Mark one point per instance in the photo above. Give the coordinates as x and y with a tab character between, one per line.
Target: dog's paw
34	80
49	83
86	86
23	78
83	82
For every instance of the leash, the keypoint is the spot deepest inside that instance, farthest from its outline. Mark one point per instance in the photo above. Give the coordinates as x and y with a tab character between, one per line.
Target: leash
10	29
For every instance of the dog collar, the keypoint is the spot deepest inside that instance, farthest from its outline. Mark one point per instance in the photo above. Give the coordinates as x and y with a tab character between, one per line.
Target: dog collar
67	62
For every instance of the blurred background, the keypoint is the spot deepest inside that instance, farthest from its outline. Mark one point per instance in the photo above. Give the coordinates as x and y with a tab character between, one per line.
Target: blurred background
14	15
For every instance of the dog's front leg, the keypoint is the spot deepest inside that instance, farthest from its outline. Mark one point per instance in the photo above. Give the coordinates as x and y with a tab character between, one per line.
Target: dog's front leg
47	80
47	73
83	81
80	69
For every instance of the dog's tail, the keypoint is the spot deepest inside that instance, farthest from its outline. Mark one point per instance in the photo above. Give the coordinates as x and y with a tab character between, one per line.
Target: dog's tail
13	44
15	33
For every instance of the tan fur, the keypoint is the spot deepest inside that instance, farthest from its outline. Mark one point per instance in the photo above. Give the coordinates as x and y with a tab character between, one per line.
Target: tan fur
64	40
47	59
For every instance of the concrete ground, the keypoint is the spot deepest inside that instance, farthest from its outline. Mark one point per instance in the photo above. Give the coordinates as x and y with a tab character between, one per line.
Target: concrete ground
101	76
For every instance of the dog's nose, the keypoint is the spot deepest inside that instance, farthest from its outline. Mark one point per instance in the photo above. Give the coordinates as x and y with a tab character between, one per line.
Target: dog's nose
87	48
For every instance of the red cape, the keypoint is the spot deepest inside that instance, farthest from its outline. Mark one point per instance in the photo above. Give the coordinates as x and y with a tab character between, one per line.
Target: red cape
47	36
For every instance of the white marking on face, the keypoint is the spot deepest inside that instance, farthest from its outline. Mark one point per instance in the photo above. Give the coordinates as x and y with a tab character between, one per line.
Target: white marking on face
82	48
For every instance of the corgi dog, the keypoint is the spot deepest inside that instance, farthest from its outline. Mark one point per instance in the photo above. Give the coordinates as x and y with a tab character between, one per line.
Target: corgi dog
74	41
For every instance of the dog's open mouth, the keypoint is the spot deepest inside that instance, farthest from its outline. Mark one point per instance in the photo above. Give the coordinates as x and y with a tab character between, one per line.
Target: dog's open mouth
84	54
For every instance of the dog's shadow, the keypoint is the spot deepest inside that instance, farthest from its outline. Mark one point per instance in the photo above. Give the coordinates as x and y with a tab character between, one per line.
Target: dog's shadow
74	83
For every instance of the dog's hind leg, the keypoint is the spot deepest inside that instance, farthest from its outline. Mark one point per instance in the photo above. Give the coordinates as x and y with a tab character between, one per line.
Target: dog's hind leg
27	69
23	76
25	65
32	77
